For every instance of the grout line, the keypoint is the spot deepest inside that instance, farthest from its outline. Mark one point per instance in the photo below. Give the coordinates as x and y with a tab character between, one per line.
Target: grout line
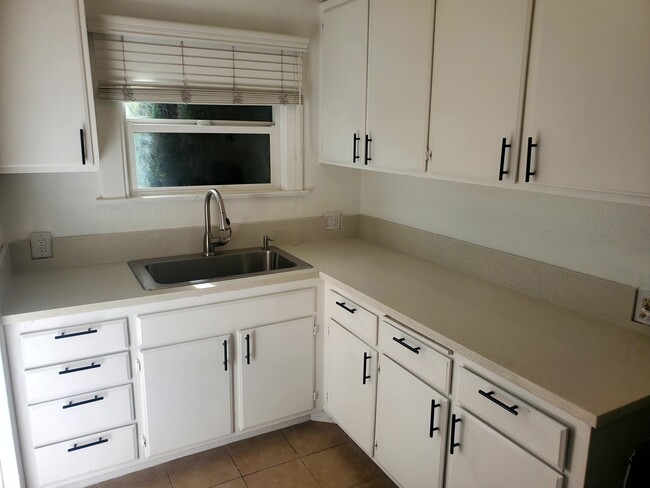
171	483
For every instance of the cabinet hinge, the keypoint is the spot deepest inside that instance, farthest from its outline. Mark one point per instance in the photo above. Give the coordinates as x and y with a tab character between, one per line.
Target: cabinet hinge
144	441
378	368
429	155
376	445
139	365
315	328
327	396
315	395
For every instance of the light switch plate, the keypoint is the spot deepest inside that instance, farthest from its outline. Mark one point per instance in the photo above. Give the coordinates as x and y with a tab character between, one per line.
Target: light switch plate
333	220
642	310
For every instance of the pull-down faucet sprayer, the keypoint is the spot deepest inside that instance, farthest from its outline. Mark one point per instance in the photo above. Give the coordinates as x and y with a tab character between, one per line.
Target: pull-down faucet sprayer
209	241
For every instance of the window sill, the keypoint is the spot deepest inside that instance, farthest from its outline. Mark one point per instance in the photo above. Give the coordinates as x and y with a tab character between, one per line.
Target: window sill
200	196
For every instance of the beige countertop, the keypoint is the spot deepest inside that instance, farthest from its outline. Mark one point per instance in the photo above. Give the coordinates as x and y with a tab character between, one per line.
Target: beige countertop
592	370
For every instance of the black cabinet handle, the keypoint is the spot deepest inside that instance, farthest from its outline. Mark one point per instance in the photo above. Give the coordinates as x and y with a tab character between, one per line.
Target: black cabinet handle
342	305
225	355
502	170
83	368
367	158
401	342
83	146
489	395
529	173
432	429
96	443
85	402
366	376
453	444
355	148
63	335
248	348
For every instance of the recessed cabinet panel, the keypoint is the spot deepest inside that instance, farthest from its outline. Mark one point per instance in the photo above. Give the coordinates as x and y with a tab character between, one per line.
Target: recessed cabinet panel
399	83
277	371
478	76
411	427
588	96
343	81
188	397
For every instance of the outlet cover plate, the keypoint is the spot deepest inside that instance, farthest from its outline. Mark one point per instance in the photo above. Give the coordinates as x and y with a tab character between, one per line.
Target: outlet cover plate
642	310
333	220
40	244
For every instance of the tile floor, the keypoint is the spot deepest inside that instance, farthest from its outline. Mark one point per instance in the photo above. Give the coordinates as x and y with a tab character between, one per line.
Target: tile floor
312	454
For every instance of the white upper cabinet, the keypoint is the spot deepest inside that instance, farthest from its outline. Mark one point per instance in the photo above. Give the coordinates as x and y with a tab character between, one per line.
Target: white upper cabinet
588	96
47	117
375	83
343	80
478	82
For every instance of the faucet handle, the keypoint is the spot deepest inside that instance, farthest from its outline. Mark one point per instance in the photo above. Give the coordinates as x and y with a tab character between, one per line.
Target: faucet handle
265	242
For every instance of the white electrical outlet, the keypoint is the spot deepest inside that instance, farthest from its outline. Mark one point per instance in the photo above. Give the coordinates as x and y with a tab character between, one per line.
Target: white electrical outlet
41	244
642	310
333	220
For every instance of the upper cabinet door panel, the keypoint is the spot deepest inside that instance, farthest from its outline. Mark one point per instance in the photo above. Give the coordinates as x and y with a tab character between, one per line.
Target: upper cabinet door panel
399	83
343	80
43	91
588	96
478	75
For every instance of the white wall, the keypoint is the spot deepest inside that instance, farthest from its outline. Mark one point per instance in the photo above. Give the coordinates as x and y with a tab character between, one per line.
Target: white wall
608	240
66	204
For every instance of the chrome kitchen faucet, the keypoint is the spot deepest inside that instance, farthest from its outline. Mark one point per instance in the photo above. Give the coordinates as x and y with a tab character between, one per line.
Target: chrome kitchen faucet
209	241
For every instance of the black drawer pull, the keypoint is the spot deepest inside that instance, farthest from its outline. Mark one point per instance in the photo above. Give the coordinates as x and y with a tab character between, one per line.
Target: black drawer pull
83	368
248	349
502	170
63	335
96	443
529	173
225	355
432	429
416	350
342	305
489	396
366	156
366	376
355	148
85	402
453	444
83	146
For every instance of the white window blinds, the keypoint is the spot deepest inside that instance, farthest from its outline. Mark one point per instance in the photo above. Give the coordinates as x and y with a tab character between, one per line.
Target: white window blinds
139	60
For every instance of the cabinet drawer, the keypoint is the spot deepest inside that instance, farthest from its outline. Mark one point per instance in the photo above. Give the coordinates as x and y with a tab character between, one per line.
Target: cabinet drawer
350	315
531	428
82	414
85	454
76	377
70	343
190	324
422	360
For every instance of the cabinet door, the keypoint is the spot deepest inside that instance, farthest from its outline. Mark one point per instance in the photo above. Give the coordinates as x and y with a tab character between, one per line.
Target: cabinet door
478	76
188	394
411	427
485	459
343	80
588	96
277	371
45	98
399	83
351	384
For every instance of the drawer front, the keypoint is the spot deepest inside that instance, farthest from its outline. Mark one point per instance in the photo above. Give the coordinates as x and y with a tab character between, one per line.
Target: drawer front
196	323
81	415
85	454
422	360
70	343
68	379
353	317
521	422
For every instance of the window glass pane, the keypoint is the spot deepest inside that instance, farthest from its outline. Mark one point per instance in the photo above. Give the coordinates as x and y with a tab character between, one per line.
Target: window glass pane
173	111
192	159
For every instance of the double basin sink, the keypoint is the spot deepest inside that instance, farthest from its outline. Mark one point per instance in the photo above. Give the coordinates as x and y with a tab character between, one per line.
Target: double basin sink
195	269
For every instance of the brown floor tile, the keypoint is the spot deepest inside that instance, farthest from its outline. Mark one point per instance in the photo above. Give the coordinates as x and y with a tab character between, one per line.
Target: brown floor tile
382	482
261	452
288	475
343	466
238	483
155	477
202	470
310	437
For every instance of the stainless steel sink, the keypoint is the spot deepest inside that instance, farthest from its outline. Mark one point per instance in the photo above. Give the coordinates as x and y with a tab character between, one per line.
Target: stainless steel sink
195	269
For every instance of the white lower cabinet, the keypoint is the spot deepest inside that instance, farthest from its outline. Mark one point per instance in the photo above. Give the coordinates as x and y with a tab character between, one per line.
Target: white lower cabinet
187	394
411	427
351	384
480	457
277	372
